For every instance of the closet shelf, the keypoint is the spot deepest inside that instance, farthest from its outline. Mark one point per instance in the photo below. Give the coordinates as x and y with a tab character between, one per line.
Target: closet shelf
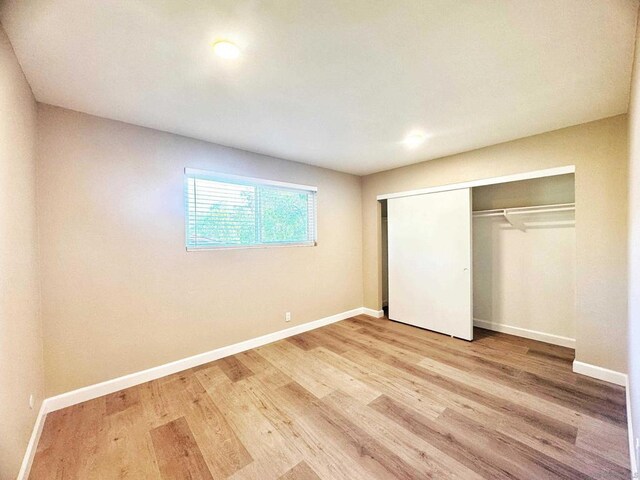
508	213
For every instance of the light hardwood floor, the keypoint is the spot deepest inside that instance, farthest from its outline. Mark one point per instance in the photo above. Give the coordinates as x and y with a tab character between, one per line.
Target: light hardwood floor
363	398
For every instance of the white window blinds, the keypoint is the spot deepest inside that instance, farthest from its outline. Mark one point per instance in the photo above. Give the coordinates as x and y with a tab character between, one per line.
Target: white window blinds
225	211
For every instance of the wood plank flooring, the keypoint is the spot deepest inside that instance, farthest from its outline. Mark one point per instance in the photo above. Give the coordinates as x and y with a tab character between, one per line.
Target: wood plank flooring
363	398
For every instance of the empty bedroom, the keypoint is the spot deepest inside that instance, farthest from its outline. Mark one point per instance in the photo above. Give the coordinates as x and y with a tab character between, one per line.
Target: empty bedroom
302	239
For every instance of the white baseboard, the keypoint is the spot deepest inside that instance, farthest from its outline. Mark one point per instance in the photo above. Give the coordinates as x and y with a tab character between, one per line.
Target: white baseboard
373	313
523	332
116	384
110	386
33	443
99	389
587	369
632	447
600	373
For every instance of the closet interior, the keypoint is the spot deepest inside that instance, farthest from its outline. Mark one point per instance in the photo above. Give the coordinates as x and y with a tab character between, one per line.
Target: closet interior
522	272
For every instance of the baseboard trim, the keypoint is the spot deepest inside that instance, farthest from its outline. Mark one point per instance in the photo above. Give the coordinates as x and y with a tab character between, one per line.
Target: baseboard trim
632	447
30	453
90	392
373	313
600	373
523	332
110	386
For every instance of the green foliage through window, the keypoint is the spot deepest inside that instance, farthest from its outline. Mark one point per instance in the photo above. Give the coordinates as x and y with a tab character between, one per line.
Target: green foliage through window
284	215
236	212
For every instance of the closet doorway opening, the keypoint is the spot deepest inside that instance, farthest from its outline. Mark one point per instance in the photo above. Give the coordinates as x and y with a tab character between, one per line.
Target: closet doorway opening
523	257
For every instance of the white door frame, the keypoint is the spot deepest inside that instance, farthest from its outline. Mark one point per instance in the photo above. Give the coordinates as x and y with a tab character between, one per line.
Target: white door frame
549	172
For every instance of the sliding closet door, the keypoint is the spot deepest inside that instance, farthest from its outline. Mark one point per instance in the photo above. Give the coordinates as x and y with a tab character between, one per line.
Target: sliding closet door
429	244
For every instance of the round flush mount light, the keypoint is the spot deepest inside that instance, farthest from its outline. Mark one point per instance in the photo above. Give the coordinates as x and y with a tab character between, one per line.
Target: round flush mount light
226	49
414	139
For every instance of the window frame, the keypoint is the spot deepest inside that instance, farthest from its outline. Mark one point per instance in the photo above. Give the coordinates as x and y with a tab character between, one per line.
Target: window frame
249	181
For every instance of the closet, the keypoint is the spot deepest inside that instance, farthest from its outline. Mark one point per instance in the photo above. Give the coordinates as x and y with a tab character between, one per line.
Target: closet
499	256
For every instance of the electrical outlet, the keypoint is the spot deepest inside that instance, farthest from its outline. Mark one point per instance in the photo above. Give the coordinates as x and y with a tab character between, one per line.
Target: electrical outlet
31	401
287	317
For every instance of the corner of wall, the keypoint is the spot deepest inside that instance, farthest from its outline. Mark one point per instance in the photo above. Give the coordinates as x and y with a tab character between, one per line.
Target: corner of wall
23	378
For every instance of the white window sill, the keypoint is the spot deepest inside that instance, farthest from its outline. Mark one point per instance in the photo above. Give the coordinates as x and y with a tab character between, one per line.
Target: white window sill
245	247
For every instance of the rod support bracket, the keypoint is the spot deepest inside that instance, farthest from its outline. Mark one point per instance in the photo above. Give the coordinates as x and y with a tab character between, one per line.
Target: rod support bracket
513	222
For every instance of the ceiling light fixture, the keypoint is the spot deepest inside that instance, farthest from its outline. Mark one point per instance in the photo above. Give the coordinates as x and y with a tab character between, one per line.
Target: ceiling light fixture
414	139
226	49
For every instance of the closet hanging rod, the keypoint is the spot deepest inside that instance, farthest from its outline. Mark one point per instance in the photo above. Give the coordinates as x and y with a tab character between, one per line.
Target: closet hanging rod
558	207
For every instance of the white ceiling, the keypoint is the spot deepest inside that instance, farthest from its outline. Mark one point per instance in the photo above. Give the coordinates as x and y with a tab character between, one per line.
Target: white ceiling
332	83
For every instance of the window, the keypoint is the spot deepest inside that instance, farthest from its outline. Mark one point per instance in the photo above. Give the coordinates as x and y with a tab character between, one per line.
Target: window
224	211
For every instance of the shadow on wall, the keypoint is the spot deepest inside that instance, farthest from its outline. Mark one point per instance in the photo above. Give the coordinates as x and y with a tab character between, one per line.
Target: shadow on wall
526	279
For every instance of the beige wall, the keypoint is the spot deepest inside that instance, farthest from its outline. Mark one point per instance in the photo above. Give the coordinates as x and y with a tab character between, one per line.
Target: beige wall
21	370
119	291
634	245
599	150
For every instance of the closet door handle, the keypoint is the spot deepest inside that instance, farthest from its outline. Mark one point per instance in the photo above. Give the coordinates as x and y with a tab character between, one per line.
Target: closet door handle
465	269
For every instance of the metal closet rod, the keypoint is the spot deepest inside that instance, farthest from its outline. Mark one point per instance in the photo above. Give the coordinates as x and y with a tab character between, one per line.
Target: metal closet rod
558	207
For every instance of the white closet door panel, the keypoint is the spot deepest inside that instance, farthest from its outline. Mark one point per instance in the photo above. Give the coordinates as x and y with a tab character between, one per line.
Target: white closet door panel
429	245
